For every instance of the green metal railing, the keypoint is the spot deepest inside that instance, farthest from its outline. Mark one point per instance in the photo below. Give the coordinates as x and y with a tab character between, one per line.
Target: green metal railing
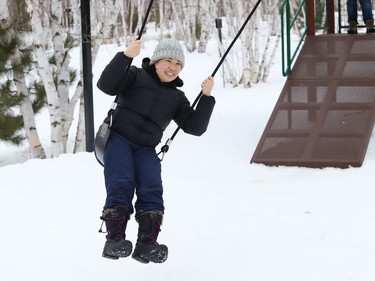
289	20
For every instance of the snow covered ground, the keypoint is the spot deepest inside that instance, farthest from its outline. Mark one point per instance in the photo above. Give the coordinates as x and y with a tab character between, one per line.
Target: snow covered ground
226	219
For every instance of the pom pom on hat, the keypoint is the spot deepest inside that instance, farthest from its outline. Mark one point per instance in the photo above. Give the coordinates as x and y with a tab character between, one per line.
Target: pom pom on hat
168	49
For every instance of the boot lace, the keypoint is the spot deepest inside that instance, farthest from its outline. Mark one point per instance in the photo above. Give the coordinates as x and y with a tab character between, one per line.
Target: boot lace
155	232
118	228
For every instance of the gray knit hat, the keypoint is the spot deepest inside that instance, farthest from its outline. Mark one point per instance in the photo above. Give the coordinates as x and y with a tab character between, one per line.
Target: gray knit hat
168	49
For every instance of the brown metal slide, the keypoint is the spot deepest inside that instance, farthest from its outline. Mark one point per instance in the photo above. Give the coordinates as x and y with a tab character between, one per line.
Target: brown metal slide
325	114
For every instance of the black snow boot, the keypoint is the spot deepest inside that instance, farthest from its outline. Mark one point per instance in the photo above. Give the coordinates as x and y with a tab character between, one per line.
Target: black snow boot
147	249
116	220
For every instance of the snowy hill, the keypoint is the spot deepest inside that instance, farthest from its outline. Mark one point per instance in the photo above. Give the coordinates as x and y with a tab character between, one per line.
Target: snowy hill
226	219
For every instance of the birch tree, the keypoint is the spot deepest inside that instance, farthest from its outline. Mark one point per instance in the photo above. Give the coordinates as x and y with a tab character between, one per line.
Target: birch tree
46	73
178	18
160	26
111	18
250	63
249	45
57	77
206	21
272	41
79	143
189	10
26	107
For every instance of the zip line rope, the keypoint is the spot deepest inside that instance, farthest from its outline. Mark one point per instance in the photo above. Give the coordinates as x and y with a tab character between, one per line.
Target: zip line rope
105	128
164	149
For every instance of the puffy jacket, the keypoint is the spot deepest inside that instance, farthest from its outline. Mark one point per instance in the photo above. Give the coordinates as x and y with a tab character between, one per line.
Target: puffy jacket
146	105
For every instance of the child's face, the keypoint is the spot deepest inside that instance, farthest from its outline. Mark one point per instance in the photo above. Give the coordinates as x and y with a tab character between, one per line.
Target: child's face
168	69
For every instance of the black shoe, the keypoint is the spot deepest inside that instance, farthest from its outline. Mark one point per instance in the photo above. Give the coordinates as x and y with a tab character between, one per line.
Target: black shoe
146	253
117	249
147	249
116	245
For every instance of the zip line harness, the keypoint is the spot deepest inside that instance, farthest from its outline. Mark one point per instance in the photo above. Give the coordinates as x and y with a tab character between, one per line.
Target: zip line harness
104	130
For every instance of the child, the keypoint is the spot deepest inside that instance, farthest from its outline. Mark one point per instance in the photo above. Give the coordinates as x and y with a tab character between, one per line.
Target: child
148	101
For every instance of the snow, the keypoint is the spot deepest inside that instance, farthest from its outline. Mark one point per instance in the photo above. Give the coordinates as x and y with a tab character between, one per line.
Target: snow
226	219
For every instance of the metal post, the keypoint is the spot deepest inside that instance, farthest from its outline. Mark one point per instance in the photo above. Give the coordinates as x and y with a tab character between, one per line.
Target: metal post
311	17
331	16
87	74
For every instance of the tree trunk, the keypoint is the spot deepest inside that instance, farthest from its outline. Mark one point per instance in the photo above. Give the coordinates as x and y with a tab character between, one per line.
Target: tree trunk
80	144
206	21
189	24
177	11
248	56
57	146
27	111
62	60
274	32
31	131
161	8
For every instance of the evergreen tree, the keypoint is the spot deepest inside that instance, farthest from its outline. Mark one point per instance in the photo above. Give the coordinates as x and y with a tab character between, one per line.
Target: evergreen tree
11	122
15	59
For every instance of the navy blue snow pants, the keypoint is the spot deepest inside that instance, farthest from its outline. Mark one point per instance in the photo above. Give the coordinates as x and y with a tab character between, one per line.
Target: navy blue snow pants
132	169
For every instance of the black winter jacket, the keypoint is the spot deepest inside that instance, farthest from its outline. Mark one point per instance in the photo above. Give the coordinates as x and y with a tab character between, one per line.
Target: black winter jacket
146	105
